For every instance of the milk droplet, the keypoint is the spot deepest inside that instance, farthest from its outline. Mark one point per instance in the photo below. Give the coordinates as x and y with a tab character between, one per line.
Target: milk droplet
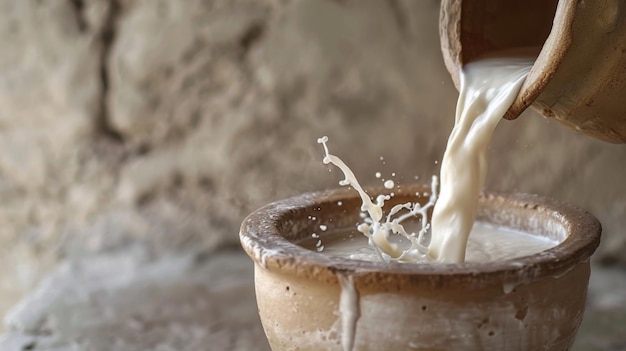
378	174
323	227
339	203
322	140
389	184
349	310
393	174
508	287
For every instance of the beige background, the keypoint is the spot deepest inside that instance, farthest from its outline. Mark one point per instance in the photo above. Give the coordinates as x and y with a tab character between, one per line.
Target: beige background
123	121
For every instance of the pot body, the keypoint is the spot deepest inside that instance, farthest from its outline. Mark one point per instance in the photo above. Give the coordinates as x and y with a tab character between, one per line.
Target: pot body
311	301
304	314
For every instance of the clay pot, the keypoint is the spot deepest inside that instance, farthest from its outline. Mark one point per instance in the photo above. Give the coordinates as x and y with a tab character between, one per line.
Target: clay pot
579	77
310	301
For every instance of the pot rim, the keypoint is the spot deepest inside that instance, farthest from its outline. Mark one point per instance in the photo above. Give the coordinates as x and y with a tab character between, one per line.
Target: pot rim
261	239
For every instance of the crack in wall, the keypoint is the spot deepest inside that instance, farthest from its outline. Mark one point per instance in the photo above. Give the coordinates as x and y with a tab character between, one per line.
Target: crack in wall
251	37
107	38
81	22
399	15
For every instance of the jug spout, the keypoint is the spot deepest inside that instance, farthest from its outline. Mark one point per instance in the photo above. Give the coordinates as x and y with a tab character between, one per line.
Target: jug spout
579	75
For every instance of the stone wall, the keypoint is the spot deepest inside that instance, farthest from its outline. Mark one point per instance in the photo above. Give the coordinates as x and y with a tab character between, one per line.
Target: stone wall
122	120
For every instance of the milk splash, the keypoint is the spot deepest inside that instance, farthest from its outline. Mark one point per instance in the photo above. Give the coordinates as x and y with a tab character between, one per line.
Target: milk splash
488	88
376	227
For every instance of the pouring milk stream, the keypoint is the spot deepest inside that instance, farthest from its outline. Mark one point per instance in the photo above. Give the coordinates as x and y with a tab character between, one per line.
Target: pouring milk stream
488	87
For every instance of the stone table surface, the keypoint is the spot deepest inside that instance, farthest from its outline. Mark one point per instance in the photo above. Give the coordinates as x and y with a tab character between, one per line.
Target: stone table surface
604	324
130	301
126	302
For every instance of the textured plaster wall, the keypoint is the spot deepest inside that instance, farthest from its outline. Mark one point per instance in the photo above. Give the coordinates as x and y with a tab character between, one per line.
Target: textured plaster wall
127	119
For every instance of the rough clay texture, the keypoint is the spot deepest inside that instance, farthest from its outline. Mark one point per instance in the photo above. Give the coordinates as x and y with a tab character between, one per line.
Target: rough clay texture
162	123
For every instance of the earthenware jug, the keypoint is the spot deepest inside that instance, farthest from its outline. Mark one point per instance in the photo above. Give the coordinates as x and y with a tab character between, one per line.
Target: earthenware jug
579	77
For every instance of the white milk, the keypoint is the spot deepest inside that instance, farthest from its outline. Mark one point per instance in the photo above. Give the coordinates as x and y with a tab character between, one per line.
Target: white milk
486	243
349	310
488	88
